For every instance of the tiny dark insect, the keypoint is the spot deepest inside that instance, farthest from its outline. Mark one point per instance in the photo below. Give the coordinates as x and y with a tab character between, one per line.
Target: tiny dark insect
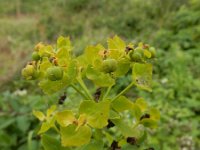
62	99
110	124
114	146
128	49
97	94
131	140
145	116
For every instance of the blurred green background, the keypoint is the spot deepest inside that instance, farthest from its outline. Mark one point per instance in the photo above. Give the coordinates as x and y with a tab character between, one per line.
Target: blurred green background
172	26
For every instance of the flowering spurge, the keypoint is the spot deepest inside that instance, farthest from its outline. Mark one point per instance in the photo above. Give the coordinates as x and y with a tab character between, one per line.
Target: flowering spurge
101	121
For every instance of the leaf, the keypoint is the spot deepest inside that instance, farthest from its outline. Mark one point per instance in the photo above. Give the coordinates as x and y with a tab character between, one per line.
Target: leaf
64	42
72	137
148	122
125	129
50	122
116	43
122	68
154	113
97	113
50	142
23	123
92	53
142	75
50	87
99	78
142	104
121	104
39	115
94	145
51	110
45	127
136	111
65	118
45	64
113	115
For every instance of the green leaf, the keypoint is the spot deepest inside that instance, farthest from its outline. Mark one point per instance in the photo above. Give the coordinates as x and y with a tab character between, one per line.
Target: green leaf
154	113
45	127
99	78
51	110
50	142
123	67
50	87
97	113
39	115
65	118
45	64
94	145
114	115
142	75
72	137
142	104
136	111
125	129
148	122
116	43
50	122
64	42
121	104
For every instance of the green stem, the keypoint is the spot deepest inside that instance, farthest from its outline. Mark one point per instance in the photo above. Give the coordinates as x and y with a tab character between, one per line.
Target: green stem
85	89
57	130
123	91
107	92
30	134
79	91
136	124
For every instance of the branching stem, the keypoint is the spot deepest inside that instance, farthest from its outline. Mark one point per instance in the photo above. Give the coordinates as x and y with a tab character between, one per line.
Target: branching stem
123	91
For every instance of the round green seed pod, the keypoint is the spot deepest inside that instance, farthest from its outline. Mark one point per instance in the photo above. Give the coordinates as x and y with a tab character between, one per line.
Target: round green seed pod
109	65
55	73
35	56
153	52
136	56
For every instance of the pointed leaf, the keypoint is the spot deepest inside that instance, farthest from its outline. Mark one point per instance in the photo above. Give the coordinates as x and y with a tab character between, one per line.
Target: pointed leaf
39	115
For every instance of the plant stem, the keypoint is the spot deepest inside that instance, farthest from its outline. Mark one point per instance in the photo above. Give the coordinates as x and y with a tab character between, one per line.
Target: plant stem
57	130
107	92
123	91
79	91
85	89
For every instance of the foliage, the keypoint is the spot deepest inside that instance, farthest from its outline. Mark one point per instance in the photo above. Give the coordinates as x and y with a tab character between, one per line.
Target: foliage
57	68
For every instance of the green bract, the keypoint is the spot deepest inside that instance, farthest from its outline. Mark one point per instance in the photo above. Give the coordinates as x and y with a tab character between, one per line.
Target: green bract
100	119
29	72
55	73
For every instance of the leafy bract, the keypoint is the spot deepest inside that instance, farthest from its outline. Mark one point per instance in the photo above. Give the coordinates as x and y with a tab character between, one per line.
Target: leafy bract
122	103
72	137
99	78
142	75
97	113
65	118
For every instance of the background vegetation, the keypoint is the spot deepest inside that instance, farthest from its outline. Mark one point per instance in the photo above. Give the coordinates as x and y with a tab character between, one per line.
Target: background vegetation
172	26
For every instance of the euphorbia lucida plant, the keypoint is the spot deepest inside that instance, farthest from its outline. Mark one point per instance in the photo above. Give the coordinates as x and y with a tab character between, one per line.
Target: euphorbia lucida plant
101	121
